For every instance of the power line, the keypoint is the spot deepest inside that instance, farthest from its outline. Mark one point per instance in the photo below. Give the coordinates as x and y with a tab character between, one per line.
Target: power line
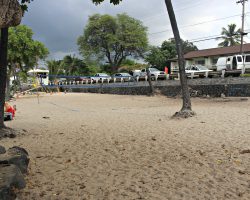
213	38
190	5
191	25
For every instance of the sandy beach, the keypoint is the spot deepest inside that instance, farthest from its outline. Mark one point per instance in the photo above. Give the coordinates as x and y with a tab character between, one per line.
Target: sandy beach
108	147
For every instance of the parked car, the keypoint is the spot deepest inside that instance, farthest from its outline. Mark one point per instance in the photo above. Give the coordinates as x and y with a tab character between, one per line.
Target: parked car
154	73
101	77
83	79
197	70
126	77
138	75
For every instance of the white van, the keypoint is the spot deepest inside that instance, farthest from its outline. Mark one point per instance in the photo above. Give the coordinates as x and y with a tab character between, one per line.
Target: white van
234	62
247	61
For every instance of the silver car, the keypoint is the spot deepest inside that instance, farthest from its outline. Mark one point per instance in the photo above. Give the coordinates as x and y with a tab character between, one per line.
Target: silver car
122	77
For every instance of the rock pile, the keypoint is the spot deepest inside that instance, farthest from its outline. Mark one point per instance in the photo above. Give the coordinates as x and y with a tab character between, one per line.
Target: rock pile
13	165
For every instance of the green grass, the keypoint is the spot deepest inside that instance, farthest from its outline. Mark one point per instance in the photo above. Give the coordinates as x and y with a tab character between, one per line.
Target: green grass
245	75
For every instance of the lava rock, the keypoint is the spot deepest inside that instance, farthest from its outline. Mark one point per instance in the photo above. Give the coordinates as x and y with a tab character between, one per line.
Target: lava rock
2	150
10	178
16	156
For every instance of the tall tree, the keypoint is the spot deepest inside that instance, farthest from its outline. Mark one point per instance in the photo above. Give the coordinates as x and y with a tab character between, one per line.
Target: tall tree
55	67
186	110
74	66
10	15
113	38
3	71
230	36
159	55
11	12
23	51
170	46
156	57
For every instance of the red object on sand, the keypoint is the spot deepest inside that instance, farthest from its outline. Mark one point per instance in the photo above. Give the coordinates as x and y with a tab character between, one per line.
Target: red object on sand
10	109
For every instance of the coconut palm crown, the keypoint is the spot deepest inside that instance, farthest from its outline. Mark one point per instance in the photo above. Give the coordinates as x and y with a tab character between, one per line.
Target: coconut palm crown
230	36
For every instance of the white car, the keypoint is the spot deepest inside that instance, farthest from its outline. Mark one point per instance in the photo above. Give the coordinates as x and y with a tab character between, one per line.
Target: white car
154	73
197	71
138	75
101	77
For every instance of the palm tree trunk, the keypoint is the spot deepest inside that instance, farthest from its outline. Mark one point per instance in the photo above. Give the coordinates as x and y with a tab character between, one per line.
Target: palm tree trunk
186	110
152	91
7	90
3	71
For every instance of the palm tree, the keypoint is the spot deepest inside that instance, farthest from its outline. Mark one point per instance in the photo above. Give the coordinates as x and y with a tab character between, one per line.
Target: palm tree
230	36
186	110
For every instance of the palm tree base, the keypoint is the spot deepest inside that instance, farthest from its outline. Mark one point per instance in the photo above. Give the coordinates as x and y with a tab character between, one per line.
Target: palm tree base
184	113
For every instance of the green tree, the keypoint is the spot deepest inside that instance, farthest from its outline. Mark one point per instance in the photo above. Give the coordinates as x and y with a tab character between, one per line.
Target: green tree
10	17
55	67
23	52
158	56
230	36
74	66
186	110
170	47
113	38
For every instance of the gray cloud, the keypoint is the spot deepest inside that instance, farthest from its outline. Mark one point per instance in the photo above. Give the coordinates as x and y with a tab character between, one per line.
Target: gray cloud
58	23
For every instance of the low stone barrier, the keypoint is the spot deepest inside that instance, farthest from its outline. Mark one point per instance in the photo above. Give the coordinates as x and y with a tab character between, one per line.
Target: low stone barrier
215	87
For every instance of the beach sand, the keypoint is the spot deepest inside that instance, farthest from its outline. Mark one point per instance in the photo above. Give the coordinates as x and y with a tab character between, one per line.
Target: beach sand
96	147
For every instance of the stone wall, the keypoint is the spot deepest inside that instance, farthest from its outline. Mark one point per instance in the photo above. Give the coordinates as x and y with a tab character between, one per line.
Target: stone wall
198	87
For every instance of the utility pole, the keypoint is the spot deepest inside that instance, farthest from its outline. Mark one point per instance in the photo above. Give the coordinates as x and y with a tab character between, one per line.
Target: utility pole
243	23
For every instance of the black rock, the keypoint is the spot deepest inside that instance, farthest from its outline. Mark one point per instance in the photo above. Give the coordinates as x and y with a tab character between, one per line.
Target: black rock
2	150
18	150
10	178
16	156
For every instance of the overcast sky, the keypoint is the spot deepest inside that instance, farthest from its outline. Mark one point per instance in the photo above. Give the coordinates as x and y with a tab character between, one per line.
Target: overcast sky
58	23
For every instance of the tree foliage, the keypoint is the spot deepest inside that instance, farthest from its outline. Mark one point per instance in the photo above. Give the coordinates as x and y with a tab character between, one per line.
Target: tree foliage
113	38
158	56
24	4
231	36
71	66
74	66
115	2
23	51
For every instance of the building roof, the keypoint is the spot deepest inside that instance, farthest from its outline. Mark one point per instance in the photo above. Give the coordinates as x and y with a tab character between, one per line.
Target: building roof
38	71
217	51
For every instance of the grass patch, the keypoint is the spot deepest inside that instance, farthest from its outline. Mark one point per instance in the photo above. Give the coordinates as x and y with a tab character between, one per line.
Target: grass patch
245	75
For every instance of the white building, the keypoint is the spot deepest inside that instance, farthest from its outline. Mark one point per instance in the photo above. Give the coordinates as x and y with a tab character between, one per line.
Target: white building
41	76
209	57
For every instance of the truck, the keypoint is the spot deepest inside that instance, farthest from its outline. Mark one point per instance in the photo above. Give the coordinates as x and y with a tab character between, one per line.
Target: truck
154	74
